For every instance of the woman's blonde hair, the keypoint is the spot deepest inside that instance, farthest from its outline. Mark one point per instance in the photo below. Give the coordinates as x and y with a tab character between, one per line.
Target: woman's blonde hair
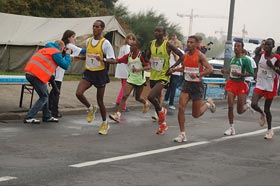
128	36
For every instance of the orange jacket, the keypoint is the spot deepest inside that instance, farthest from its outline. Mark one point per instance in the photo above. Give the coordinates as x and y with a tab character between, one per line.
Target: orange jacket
41	64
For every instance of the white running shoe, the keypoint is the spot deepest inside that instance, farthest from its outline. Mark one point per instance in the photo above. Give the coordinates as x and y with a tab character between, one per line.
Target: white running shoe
212	106
248	103
180	138
269	134
262	120
230	131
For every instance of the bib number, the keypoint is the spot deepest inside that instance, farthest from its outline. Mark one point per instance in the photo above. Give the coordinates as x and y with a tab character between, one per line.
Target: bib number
188	71
157	63
234	68
92	62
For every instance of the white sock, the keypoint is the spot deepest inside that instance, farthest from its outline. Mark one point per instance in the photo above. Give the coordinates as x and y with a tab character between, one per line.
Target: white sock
231	125
90	107
183	133
208	104
105	122
119	114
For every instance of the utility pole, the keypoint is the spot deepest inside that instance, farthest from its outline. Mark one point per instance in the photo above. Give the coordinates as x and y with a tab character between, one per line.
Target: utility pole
228	45
244	32
191	16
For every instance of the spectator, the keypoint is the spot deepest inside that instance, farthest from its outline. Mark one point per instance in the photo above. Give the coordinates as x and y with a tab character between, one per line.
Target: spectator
38	72
69	40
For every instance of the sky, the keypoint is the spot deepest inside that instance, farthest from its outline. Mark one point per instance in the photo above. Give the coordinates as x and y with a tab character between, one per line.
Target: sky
260	17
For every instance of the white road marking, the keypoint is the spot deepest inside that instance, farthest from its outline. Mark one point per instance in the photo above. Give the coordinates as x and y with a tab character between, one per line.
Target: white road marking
156	151
7	178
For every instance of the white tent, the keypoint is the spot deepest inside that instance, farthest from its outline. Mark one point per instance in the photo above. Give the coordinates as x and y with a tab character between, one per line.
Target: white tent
21	36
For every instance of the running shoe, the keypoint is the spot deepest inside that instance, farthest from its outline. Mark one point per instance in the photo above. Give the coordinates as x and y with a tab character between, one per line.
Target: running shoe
262	120
155	117
104	128
51	119
230	131
116	117
180	138
146	107
161	116
212	106
172	107
162	128
91	114
269	134
248	103
31	121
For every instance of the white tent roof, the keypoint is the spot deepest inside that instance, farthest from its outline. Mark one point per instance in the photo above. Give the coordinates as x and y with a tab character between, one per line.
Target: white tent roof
28	30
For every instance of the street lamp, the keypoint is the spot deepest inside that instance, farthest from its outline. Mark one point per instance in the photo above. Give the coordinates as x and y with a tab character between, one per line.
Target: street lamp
228	45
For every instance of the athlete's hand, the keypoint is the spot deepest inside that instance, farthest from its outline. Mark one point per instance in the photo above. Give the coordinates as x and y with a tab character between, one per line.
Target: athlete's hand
236	74
193	75
269	64
98	58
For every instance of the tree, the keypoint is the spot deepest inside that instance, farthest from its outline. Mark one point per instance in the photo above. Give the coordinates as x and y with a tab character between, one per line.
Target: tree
143	24
58	8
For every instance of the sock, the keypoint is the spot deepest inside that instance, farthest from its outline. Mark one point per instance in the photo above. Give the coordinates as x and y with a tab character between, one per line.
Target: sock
90	107
231	125
105	122
183	133
208	104
119	114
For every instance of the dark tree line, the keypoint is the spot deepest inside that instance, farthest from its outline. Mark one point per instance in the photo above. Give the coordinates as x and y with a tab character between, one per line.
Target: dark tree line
58	8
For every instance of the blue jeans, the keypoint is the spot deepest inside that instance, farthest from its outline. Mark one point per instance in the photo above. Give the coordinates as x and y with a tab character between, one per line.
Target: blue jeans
42	102
171	90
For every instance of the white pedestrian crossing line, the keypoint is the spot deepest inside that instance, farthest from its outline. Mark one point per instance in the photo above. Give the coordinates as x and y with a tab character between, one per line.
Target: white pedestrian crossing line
7	178
173	148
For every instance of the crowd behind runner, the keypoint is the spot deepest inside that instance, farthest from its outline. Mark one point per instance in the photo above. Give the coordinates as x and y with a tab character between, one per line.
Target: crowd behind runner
194	66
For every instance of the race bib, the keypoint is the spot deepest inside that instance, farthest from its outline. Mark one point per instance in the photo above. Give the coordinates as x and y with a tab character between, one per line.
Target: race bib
188	71
134	64
157	63
235	68
265	73
91	61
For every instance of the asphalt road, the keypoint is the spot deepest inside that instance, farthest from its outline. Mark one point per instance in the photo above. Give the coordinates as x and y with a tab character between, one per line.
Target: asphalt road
72	153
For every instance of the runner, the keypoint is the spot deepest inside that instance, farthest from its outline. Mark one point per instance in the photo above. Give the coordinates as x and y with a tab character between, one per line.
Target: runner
240	67
158	54
136	79
195	66
121	68
267	84
96	73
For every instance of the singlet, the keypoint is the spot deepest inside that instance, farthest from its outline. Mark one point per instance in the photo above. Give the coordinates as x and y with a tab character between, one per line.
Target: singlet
265	75
192	65
240	65
159	61
92	52
136	78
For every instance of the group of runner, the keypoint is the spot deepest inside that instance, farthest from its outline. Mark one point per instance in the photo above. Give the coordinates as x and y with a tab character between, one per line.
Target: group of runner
195	65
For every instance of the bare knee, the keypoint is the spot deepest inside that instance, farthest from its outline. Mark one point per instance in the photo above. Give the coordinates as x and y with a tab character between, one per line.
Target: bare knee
195	115
79	94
